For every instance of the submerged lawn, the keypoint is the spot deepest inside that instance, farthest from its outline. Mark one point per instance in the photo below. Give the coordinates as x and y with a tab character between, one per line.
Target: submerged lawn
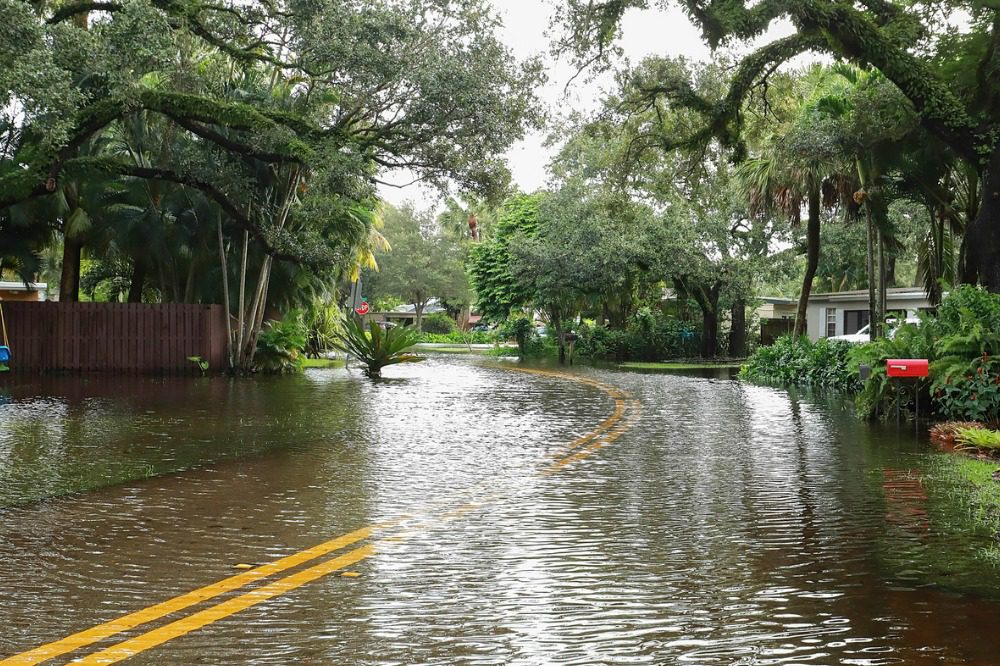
973	492
323	363
678	366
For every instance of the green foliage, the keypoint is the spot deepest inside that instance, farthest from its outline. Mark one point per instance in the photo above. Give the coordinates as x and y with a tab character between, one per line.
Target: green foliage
790	362
649	336
961	342
439	323
377	348
519	329
281	345
969	393
202	364
459	338
490	262
423	263
880	394
977	438
324	322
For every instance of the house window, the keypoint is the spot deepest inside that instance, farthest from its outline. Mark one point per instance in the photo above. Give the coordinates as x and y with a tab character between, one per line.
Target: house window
831	322
855	320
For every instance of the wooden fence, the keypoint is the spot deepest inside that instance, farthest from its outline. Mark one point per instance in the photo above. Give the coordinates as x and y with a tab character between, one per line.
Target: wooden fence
114	337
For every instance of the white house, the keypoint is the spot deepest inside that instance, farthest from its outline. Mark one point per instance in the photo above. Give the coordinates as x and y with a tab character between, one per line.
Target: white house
18	291
846	312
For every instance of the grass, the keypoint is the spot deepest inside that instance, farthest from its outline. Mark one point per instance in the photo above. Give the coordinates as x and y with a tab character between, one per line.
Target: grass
973	487
323	363
708	365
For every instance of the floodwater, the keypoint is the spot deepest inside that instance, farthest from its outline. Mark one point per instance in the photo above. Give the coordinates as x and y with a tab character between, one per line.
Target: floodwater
521	518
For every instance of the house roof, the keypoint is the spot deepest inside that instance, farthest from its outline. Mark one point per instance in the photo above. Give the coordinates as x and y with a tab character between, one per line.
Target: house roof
778	300
894	293
17	285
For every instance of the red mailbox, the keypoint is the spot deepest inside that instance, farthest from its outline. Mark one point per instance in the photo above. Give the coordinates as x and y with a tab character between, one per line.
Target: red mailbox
907	367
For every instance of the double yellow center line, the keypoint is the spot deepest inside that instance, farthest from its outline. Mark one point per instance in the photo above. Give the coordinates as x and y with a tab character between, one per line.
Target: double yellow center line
606	432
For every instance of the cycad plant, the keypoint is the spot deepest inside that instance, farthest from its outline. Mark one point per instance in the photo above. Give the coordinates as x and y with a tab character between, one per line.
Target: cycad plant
376	348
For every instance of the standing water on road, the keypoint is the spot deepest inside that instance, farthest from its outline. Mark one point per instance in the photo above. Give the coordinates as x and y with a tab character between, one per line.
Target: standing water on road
515	517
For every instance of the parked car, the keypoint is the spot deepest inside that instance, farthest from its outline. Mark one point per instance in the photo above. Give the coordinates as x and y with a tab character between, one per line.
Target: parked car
482	328
864	334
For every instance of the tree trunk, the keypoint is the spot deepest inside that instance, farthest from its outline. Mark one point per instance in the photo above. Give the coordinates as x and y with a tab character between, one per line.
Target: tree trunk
812	263
190	281
881	285
738	331
418	309
224	265
138	283
870	268
709	332
981	249
69	281
555	320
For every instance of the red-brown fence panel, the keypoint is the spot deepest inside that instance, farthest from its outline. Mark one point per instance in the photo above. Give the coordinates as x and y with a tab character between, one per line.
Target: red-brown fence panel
114	337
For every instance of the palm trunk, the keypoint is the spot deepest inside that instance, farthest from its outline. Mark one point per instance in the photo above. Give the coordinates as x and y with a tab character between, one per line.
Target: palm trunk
241	310
981	260
69	281
138	282
225	296
870	267
812	262
881	285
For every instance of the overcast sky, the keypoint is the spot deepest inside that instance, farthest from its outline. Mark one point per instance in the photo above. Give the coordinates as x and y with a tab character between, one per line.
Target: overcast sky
644	32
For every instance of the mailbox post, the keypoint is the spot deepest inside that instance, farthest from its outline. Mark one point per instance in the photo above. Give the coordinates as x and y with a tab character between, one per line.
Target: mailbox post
907	368
570	339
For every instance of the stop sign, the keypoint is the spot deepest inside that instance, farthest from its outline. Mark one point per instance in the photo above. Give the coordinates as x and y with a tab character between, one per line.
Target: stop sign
362	309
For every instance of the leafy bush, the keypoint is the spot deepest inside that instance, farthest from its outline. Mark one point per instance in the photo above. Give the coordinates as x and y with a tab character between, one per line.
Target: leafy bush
947	433
880	393
324	321
377	348
519	329
439	323
649	336
281	345
791	362
459	338
602	342
961	342
977	438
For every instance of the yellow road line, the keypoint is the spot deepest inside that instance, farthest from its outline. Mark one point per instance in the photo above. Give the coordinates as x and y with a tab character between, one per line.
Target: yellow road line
132	620
281	586
596	446
186	625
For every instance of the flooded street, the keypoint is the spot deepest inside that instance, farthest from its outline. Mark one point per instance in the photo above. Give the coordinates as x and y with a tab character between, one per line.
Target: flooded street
460	511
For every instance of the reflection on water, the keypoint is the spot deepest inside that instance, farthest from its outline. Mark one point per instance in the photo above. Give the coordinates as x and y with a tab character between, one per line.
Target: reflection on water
732	524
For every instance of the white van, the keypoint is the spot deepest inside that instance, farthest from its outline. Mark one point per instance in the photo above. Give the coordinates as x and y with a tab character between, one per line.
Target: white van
864	334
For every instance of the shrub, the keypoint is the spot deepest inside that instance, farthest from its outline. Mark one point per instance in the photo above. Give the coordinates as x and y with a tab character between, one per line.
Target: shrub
459	338
439	323
961	342
649	336
880	394
324	322
520	329
977	438
377	348
602	342
791	362
946	433
281	345
970	392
